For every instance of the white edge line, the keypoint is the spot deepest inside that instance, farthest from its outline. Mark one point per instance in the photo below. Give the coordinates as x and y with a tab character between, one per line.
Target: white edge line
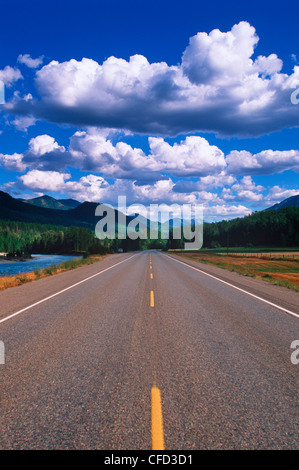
238	288
63	290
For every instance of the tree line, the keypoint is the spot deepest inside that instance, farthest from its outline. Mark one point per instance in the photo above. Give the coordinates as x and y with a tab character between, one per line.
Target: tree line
22	239
268	228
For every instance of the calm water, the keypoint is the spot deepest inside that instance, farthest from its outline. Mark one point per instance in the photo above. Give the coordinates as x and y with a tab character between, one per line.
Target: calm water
37	261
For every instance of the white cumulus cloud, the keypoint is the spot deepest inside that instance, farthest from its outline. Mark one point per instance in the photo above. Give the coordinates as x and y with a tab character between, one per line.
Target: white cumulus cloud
265	162
220	86
44	180
9	75
27	60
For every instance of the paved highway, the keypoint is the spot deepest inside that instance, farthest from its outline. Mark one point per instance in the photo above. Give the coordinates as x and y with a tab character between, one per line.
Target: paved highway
148	351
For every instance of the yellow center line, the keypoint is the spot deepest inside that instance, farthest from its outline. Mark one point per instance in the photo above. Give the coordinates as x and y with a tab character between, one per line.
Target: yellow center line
151	275
157	420
152	300
151	267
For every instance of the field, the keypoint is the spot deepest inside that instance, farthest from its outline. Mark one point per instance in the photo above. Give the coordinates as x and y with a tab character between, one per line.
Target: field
278	267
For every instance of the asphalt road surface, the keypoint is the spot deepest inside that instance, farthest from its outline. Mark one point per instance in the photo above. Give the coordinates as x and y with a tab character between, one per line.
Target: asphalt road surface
149	351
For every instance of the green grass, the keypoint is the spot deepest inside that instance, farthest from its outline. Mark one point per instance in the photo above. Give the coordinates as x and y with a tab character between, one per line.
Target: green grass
21	279
67	265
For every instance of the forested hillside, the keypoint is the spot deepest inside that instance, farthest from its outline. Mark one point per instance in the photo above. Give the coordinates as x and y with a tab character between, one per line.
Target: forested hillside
265	228
72	231
21	238
269	228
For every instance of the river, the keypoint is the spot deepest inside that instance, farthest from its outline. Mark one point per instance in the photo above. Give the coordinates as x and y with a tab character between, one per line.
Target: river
8	268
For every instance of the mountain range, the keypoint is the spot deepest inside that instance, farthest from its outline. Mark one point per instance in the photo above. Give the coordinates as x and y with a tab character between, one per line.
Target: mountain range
45	210
69	212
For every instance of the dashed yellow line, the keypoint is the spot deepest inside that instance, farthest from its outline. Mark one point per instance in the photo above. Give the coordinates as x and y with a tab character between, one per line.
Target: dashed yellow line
157	420
152	299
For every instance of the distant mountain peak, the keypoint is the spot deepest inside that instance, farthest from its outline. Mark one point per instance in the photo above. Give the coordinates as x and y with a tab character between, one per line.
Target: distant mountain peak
289	202
50	202
71	203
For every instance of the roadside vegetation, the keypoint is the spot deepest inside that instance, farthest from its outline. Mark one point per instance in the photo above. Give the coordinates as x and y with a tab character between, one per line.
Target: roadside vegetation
282	271
19	279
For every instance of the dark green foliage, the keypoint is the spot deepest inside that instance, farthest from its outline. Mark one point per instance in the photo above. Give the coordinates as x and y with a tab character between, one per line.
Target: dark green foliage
266	228
22	238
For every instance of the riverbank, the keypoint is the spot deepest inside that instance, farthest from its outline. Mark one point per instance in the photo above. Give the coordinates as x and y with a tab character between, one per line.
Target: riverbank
4	259
20	279
37	261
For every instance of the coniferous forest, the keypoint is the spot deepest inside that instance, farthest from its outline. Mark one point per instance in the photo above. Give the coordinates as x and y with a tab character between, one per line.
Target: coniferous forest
21	238
268	228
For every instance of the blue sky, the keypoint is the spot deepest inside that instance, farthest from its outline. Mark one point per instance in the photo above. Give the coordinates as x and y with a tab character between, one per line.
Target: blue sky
161	101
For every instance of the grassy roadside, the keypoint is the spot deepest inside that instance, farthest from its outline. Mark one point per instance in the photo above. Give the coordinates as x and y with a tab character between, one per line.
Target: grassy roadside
250	251
279	271
20	279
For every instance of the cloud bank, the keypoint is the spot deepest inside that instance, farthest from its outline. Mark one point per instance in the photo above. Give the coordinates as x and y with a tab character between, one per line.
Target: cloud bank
91	150
189	171
220	86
